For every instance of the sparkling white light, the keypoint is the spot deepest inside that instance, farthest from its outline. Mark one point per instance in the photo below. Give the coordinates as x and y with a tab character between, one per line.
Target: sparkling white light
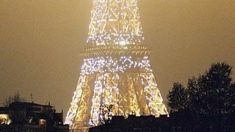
115	22
106	71
116	77
110	64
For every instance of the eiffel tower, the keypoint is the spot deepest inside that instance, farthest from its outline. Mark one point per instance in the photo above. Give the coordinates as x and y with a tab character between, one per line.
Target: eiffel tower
116	77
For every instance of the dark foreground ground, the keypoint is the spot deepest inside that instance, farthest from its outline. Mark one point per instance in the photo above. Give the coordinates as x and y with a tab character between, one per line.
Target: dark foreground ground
180	122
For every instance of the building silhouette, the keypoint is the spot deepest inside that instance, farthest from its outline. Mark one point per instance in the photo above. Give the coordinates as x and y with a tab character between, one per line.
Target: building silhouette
29	116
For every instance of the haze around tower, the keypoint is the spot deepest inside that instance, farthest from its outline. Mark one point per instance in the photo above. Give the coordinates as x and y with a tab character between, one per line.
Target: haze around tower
40	43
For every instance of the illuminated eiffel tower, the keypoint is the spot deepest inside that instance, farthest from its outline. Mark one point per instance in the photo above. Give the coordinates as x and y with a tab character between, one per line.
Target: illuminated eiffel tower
116	77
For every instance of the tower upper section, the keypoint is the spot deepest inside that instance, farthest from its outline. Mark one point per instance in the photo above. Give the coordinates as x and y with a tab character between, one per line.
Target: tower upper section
115	22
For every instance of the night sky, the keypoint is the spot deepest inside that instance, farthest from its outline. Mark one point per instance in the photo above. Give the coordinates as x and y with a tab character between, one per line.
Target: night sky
40	42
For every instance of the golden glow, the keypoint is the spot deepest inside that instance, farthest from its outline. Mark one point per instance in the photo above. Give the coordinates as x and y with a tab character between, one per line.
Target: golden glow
116	77
126	83
115	22
4	119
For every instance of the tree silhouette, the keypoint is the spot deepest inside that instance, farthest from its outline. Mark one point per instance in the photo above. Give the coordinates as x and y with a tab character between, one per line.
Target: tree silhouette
178	98
209	92
231	99
106	113
212	93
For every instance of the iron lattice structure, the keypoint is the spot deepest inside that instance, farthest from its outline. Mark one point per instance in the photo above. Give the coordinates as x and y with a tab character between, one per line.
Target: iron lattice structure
116	76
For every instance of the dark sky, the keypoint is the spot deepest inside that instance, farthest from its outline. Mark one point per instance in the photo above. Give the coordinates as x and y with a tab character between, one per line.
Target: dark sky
40	42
